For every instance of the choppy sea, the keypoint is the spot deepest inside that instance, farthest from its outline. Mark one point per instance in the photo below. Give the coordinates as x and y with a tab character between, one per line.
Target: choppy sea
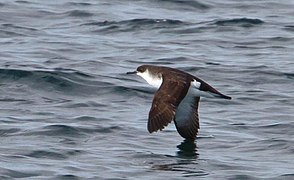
69	111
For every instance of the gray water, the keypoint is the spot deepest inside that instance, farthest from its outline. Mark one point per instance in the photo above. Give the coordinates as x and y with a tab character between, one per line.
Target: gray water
69	111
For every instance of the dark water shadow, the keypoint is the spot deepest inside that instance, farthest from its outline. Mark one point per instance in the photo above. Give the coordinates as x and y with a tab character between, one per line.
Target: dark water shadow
187	149
185	161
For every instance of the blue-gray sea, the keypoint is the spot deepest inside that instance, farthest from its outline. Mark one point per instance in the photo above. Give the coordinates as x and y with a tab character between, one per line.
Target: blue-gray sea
69	111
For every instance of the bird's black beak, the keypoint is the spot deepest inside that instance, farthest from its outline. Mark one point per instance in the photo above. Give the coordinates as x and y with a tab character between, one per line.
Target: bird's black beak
134	72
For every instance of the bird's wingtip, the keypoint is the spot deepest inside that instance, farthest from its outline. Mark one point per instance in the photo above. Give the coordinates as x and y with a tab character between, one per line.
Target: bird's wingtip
227	97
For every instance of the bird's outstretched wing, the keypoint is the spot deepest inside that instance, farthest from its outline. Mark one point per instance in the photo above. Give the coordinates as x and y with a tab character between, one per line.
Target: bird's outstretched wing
188	126
166	100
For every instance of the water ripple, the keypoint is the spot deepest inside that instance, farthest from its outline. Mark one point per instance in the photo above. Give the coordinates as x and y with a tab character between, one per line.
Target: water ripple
185	4
79	13
135	24
46	154
6	174
243	22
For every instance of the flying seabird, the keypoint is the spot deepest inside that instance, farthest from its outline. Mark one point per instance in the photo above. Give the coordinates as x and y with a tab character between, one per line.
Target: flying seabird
176	99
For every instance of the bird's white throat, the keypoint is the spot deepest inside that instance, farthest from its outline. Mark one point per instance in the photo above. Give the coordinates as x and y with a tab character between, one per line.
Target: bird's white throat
153	80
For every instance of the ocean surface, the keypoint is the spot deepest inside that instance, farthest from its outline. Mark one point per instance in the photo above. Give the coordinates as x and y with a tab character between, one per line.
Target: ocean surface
69	111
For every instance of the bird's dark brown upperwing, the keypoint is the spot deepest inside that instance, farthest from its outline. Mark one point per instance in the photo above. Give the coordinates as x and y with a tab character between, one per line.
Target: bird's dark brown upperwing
166	100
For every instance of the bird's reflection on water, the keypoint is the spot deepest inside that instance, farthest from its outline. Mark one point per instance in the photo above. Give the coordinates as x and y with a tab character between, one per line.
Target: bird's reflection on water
186	154
187	149
185	160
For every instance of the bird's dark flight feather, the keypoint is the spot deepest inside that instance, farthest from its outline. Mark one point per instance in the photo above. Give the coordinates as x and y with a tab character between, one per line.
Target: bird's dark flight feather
189	129
166	100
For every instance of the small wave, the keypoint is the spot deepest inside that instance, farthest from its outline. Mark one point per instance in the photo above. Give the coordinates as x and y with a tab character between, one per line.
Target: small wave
135	24
8	174
242	176
79	13
110	129
8	25
186	4
5	33
79	3
12	30
67	176
7	132
243	22
287	176
53	14
289	75
63	154
85	118
14	74
61	130
46	154
23	2
84	104
62	79
274	126
289	28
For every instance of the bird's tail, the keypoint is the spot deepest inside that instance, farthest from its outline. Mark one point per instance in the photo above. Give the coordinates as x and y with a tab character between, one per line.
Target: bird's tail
208	91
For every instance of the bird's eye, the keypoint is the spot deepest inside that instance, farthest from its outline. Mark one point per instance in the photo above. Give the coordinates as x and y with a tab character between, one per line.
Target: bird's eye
141	69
